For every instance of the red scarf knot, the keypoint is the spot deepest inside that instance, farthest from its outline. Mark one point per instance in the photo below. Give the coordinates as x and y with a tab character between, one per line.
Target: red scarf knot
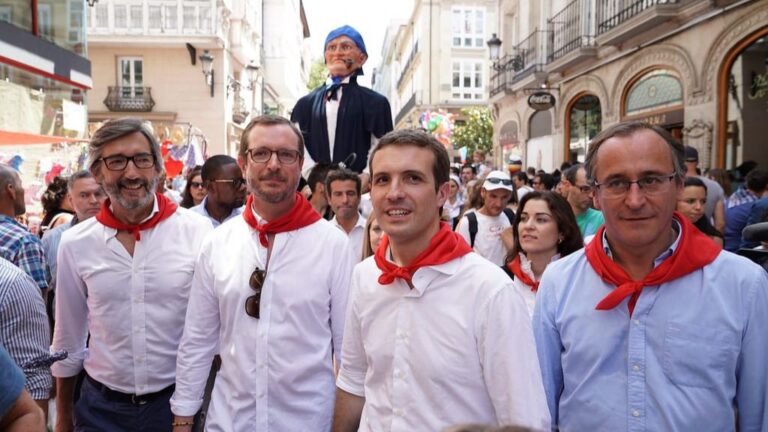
515	267
165	208
300	215
694	251
445	246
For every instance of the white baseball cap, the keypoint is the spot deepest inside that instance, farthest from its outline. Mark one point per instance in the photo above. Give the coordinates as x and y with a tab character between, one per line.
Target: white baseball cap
498	180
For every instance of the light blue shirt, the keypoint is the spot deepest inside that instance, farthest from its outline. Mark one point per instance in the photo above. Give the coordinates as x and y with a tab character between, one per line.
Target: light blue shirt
51	240
201	210
693	349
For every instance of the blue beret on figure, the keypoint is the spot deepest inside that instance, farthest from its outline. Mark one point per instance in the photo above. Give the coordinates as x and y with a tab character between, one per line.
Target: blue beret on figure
349	32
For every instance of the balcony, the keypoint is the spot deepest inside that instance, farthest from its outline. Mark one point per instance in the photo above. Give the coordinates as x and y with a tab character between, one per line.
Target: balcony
406	109
129	99
526	61
572	39
620	20
408	64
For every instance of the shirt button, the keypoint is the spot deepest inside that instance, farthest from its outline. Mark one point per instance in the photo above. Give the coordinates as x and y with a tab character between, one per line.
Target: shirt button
636	368
635	413
398	412
636	322
261	395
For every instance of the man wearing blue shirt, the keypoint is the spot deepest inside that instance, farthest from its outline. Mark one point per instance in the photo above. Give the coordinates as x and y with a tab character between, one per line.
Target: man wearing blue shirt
651	327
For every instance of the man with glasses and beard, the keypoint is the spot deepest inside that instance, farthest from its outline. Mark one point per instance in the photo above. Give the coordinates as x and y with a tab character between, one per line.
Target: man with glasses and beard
651	326
123	282
269	295
224	181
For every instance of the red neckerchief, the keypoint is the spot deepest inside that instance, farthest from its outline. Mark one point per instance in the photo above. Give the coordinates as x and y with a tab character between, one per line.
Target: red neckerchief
445	246
694	251
301	215
514	267
165	208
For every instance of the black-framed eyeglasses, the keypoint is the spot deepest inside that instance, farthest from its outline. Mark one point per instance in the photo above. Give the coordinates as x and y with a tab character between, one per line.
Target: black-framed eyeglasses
119	162
495	180
263	155
256	282
584	189
195	185
236	182
649	185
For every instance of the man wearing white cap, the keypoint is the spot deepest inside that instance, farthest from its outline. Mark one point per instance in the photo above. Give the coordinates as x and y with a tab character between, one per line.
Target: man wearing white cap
490	219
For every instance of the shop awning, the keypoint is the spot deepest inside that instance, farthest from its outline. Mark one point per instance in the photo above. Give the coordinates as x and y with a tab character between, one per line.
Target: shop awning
20	138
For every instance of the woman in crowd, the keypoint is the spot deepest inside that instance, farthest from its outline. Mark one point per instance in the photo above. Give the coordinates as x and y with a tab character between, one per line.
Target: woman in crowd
454	203
545	230
692	207
57	209
194	192
371	236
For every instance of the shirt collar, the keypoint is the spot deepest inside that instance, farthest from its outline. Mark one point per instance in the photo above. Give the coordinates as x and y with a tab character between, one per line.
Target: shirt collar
664	255
423	277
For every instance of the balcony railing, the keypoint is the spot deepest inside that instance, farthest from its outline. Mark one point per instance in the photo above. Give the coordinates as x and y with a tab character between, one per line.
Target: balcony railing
406	68
571	29
612	13
406	108
129	99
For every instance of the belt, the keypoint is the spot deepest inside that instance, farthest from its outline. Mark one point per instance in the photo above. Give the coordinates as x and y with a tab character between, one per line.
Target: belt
116	396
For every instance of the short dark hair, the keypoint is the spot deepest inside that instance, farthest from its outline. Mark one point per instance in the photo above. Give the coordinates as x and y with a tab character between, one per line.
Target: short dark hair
625	129
83	174
694	181
564	218
522	176
269	120
317	174
342	174
472	167
212	167
421	139
118	128
570	173
546	180
757	180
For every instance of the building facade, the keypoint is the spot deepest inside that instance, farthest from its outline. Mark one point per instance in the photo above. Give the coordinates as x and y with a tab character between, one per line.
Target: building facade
438	59
195	68
698	68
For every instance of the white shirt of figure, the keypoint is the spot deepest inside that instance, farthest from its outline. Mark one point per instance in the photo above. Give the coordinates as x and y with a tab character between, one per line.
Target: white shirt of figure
277	370
132	306
457	348
488	242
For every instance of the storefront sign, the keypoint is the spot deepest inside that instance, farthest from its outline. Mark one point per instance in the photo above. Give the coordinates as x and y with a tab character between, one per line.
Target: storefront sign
541	101
662	119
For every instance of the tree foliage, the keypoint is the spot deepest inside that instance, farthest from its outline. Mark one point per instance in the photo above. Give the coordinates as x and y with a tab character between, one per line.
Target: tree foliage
476	132
317	74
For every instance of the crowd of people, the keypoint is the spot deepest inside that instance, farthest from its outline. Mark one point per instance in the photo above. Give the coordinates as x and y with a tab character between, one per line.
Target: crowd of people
298	287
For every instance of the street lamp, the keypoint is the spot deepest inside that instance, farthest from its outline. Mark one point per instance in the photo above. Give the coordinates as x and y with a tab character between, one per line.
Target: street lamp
494	45
206	61
250	72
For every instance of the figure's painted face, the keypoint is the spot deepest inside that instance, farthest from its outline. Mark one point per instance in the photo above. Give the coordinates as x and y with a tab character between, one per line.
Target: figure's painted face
342	56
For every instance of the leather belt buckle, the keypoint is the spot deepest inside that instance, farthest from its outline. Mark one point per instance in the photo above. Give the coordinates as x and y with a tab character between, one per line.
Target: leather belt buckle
137	400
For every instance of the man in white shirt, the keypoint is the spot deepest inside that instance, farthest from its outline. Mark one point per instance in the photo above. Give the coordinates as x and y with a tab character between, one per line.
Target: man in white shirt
490	219
435	335
343	189
122	287
520	179
224	182
269	295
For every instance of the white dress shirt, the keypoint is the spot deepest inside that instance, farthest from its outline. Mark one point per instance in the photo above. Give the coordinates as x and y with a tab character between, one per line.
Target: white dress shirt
277	371
457	348
133	307
525	289
355	237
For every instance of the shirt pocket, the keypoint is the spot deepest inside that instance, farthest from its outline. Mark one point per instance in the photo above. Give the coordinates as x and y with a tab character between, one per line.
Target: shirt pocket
699	356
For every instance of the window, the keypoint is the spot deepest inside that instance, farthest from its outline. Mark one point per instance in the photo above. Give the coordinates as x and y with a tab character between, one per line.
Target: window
197	17
44	21
467	80
76	28
584	123
170	21
5	14
100	16
468	27
655	90
130	76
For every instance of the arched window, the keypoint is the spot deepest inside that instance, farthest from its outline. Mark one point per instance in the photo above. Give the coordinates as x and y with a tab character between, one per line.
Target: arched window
585	120
656	90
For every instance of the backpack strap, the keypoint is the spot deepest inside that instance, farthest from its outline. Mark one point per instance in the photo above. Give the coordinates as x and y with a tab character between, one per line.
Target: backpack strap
472	220
510	215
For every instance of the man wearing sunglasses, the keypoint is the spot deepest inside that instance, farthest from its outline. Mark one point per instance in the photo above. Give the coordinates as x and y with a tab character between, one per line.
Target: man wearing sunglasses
579	195
651	327
224	182
482	228
341	117
123	280
269	296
